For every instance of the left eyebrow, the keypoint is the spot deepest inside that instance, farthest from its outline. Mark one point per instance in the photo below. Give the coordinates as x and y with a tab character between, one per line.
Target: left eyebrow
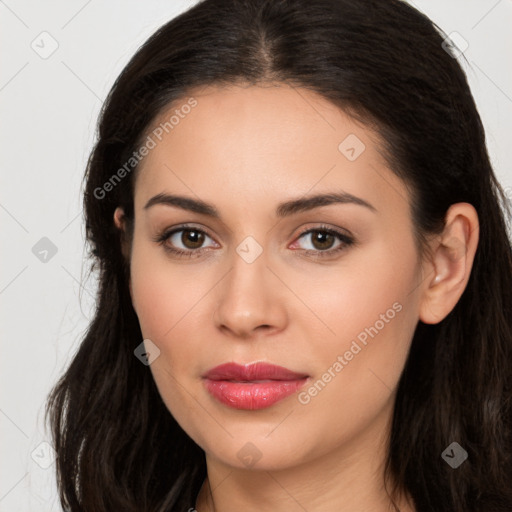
308	203
284	209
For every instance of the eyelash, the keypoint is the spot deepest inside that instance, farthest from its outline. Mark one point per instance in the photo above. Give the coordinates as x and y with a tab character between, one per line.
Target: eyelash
162	237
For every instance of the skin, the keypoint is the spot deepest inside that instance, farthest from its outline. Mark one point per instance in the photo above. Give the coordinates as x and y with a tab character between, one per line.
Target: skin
246	149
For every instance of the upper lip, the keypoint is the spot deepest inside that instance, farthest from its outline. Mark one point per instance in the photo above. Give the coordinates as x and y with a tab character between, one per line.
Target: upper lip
251	372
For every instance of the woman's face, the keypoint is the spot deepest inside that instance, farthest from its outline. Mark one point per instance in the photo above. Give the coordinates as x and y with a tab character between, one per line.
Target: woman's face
252	287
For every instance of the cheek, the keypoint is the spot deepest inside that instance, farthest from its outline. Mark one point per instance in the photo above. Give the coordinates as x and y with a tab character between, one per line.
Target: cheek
167	298
164	297
350	297
371	314
158	290
357	373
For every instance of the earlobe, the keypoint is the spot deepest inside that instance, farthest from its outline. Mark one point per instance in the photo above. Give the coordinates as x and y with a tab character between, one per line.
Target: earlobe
453	254
119	218
120	221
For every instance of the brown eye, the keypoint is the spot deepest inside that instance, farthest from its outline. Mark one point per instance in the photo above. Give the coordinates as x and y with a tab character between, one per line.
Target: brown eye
322	240
184	241
192	238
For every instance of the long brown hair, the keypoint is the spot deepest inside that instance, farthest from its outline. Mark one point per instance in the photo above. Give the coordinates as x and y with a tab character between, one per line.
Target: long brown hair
118	447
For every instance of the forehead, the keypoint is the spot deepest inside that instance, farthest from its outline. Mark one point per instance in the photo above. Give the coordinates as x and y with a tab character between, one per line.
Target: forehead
245	142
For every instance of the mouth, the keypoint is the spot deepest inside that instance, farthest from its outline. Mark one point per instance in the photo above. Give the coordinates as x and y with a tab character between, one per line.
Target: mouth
247	381
250	387
258	371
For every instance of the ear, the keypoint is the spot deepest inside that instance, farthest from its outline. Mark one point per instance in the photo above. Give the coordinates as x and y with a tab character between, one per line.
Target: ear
449	270
120	223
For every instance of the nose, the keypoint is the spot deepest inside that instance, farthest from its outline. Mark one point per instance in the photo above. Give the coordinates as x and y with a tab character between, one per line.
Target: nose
251	300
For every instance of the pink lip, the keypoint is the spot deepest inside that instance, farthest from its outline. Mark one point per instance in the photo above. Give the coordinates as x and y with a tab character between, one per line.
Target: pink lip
251	372
237	386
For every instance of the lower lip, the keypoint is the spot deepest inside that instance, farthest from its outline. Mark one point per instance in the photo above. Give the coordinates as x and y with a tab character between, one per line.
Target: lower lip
252	395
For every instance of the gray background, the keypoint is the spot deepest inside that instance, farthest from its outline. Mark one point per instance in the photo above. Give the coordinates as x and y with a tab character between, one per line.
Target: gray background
49	109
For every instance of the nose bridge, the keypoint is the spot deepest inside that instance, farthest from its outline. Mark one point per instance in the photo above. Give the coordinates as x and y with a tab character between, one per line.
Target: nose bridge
249	266
247	279
247	297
